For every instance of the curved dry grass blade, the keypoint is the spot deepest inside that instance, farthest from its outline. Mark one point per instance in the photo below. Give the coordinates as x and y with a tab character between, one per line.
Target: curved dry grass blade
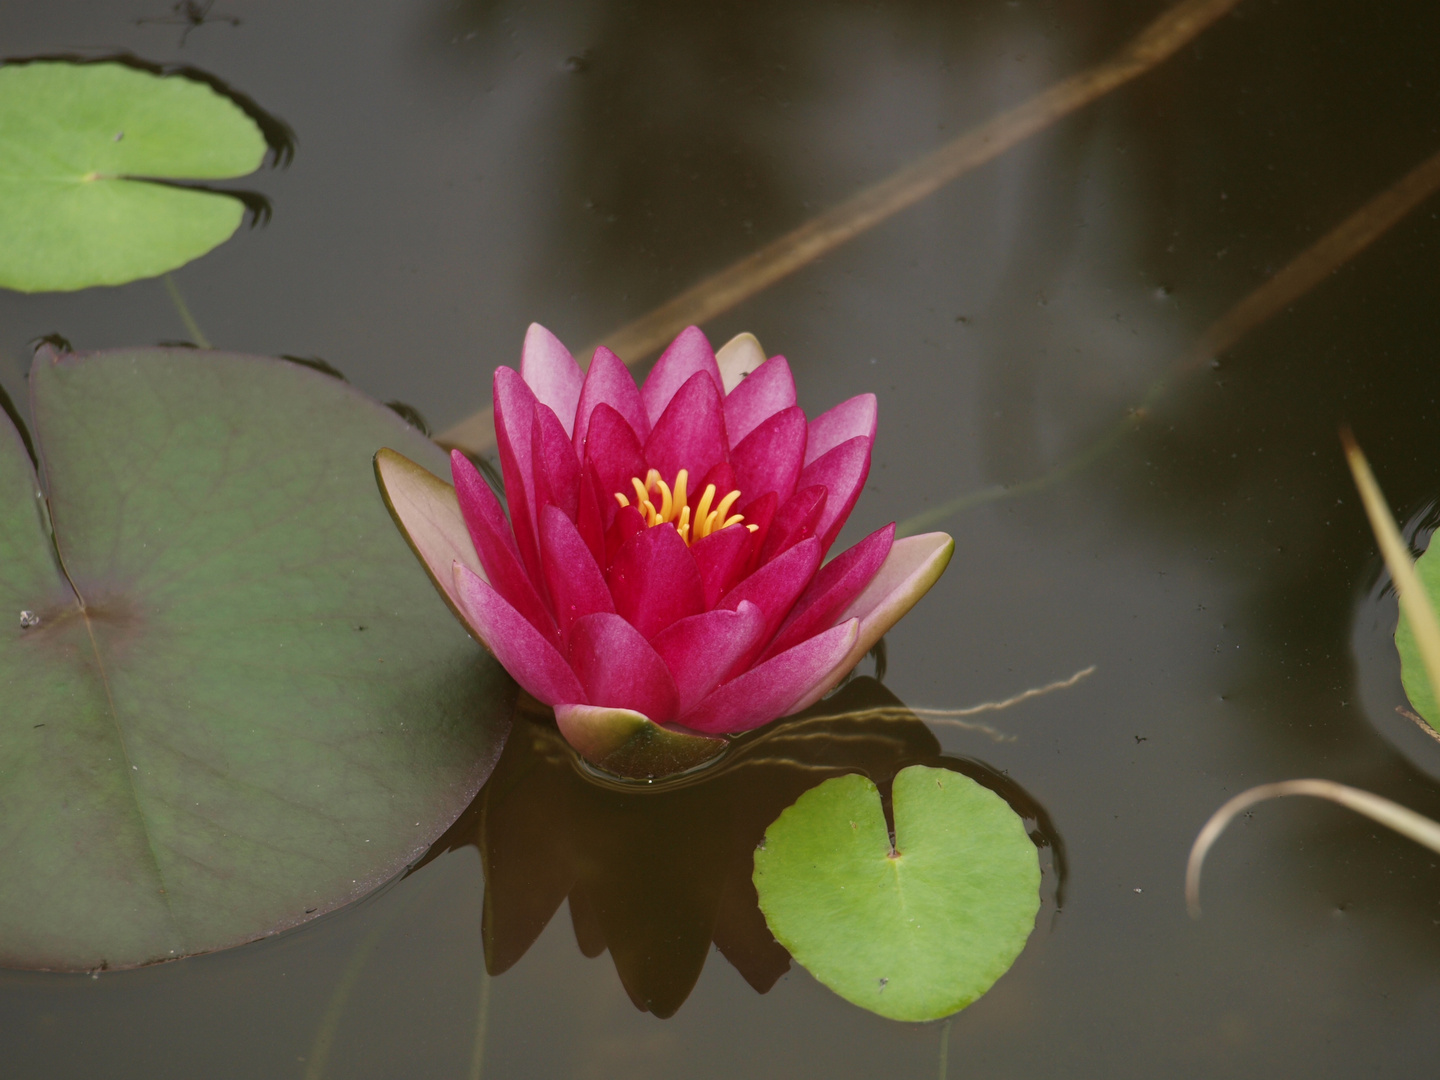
1413	598
1392	815
759	270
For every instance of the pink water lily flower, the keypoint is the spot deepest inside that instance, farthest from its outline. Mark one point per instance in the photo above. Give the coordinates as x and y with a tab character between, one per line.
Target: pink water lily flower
661	579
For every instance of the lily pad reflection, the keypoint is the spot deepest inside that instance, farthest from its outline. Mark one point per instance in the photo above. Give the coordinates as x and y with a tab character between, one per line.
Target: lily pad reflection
655	875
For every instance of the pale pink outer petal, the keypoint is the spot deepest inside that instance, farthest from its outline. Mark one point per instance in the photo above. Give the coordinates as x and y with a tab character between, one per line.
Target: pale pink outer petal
912	567
548	369
857	416
629	743
699	650
521	649
688	353
770	690
738	357
428	513
760	395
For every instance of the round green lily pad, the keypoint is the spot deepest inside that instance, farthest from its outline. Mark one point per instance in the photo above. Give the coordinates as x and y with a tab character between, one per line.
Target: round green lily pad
80	147
1412	667
913	933
232	699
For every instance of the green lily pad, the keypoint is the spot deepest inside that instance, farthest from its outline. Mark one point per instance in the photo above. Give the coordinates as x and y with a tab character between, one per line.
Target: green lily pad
80	147
913	933
236	704
1412	667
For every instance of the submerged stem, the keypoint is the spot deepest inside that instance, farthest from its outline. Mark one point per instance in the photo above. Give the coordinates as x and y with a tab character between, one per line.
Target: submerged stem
192	327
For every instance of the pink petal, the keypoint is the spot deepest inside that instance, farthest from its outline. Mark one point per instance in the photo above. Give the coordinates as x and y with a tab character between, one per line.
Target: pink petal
577	588
591	518
856	416
771	689
690	434
701	649
627	523
760	513
843	471
654	580
619	669
688	353
795	521
769	458
615	454
760	395
913	565
722	559
609	382
514	423
777	585
555	470
549	370
837	584
521	649
495	546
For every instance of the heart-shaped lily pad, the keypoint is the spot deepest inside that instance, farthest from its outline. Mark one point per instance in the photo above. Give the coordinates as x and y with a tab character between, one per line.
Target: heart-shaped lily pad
1412	667
81	146
231	701
916	932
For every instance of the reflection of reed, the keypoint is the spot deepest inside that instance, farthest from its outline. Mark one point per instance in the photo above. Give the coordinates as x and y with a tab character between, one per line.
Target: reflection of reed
759	270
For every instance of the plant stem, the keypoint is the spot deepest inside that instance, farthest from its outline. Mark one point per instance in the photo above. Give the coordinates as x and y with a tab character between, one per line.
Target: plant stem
191	326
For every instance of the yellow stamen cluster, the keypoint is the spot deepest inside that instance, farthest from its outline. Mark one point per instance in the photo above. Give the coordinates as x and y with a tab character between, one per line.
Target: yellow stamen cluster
674	506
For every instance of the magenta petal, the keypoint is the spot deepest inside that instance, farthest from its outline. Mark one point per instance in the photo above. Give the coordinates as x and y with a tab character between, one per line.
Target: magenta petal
760	395
689	353
591	518
531	660
795	521
514	424
838	583
701	649
577	588
769	458
722	557
490	533
551	372
777	585
843	471
615	454
609	382
619	669
654	580
690	434
856	416
627	523
770	690
555	470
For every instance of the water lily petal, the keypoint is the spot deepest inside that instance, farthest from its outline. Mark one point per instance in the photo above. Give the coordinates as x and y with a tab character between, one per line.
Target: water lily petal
514	424
771	690
843	470
609	381
590	519
857	416
777	585
551	372
555	469
738	357
722	559
690	434
838	583
521	649
913	565
619	669
700	650
627	743
577	588
760	513
495	546
627	523
688	353
654	580
760	395
769	458
794	521
614	452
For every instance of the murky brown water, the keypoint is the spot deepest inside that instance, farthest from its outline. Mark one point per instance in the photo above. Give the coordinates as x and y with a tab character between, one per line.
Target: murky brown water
466	168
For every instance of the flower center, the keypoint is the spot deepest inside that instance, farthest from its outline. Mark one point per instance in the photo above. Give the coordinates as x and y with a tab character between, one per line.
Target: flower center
674	506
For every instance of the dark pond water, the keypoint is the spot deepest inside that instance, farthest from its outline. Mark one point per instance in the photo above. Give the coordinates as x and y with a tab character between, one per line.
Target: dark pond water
465	168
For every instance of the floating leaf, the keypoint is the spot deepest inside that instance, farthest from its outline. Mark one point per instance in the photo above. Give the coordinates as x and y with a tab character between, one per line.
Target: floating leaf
916	932
83	147
258	711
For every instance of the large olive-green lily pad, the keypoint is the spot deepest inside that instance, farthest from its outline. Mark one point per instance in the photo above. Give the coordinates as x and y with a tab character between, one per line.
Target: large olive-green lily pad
1412	667
80	147
916	932
241	705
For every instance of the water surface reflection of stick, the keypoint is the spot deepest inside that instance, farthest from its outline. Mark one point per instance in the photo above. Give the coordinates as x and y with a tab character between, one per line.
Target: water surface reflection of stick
638	340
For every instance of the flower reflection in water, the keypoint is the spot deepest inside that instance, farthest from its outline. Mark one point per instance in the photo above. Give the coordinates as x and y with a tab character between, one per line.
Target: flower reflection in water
656	873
